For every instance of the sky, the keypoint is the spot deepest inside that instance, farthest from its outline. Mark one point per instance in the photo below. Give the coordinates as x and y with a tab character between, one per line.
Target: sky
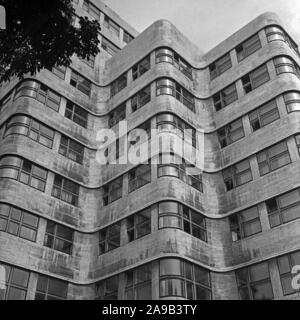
206	22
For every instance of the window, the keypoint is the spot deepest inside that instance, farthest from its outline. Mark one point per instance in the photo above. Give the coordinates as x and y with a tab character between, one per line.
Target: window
170	122
71	149
65	190
225	97
231	133
255	78
276	33
285	266
292	101
135	137
174	166
76	114
141	98
5	102
31	128
18	222
59	71
111	25
39	92
264	115
286	64
117	115
127	37
139	283
179	216
49	288
245	224
24	171
115	150
16	283
109	47
118	84
220	66
109	238
168	55
237	175
140	68
284	208
139	225
91	9
58	237
139	176
254	282
81	83
248	47
297	137
107	289
179	278
112	191
169	87
273	158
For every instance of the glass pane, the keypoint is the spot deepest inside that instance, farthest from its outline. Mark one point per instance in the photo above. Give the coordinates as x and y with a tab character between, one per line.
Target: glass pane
3	224
16	214
4	209
144	292
27	233
13	228
171	267
170	222
202	293
171	287
242	276
283	264
16	294
286	283
168	207
252	227
249	214
42	283
291	213
262	291
259	272
64	232
57	288
201	275
20	277
289	199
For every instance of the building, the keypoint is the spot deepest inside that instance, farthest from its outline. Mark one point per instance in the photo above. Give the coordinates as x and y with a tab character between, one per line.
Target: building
72	228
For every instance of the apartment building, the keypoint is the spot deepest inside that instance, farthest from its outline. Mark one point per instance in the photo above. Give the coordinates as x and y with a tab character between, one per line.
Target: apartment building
74	228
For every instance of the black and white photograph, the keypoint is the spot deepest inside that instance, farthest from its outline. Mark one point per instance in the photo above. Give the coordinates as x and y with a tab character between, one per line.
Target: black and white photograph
149	151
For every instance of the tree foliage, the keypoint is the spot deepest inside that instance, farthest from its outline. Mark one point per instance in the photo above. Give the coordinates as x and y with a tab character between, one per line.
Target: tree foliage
40	34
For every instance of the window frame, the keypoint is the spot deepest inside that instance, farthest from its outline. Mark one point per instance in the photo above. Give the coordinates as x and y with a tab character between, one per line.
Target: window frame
67	150
233	175
59	191
217	68
270	158
73	114
244	50
56	236
9	217
249	80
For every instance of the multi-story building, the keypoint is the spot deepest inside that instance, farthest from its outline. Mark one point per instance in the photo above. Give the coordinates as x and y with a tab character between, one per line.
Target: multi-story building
73	228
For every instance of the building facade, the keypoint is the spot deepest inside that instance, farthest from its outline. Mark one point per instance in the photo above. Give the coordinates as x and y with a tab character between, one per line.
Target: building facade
73	228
